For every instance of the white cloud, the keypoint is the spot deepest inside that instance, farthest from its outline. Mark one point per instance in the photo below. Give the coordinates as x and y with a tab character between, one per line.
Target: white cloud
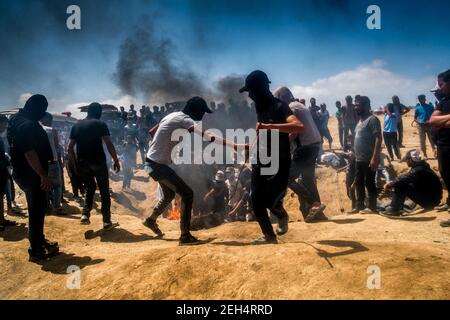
373	80
23	98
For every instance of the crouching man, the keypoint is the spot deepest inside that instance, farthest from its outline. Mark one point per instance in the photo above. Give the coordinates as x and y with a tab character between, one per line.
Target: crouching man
420	184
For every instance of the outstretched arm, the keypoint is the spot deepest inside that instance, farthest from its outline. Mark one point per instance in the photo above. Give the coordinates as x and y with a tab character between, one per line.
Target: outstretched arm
292	126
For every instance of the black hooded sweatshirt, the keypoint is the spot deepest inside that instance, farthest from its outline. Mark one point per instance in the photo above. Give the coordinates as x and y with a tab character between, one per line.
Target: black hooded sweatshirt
425	182
26	134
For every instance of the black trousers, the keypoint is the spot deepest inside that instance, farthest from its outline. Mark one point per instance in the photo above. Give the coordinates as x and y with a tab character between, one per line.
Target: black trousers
94	175
267	192
391	142
400	193
304	167
443	155
172	184
37	205
365	179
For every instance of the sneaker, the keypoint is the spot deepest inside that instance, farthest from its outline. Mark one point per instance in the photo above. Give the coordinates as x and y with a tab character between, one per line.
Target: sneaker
85	220
109	225
189	240
51	247
353	211
8	223
283	225
445	224
35	256
314	213
368	211
265	240
442	208
389	213
152	225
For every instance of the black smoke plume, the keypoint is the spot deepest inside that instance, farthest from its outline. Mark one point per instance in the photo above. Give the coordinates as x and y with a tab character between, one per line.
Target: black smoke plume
148	67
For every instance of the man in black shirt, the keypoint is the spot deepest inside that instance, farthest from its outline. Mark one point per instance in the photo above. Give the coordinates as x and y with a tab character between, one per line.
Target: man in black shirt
30	155
440	121
88	135
267	192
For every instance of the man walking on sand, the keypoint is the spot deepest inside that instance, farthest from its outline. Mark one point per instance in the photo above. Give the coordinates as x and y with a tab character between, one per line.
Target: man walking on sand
159	159
88	136
267	192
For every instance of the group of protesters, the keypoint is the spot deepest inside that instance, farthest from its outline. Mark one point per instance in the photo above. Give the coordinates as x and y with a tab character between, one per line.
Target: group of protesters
33	155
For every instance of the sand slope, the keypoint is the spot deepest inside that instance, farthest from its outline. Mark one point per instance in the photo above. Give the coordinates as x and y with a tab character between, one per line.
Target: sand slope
326	260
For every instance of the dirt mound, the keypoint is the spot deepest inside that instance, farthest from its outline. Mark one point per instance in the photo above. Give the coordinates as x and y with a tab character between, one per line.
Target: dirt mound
330	260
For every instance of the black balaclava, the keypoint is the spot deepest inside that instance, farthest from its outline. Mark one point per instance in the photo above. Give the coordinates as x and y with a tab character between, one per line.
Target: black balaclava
196	108
36	106
94	111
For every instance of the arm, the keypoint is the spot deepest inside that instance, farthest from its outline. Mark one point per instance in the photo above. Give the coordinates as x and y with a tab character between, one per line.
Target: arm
376	130
35	164
152	131
405	110
72	157
438	120
292	126
216	139
112	152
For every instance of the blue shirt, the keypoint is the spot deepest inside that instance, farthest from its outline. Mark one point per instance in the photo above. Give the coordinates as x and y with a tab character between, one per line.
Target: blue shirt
423	112
390	122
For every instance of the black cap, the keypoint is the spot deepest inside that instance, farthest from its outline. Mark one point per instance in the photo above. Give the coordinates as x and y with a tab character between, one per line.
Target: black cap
197	104
255	79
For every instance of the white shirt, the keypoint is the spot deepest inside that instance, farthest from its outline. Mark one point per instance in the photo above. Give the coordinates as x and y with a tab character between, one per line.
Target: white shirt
161	146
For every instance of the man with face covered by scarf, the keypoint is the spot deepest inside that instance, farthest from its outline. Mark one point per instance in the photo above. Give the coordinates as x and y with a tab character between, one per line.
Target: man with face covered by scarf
267	192
30	155
159	160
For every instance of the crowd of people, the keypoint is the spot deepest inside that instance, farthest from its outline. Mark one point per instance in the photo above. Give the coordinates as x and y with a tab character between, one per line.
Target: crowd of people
33	154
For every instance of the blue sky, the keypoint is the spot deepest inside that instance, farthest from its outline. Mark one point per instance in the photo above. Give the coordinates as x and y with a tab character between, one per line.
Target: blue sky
310	46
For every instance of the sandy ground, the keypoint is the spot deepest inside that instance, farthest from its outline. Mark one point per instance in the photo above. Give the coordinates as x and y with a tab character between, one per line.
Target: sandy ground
328	260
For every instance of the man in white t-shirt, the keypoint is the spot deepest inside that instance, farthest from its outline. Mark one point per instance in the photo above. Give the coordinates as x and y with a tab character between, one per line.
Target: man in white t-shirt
159	159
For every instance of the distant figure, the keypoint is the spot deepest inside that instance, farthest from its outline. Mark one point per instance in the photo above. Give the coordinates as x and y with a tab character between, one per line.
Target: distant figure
324	117
54	169
128	162
30	156
400	110
132	113
350	119
390	131
422	116
420	184
218	196
340	119
88	136
4	176
367	149
123	115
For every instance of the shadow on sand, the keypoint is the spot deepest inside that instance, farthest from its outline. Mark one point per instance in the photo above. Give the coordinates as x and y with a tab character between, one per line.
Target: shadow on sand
60	263
15	233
